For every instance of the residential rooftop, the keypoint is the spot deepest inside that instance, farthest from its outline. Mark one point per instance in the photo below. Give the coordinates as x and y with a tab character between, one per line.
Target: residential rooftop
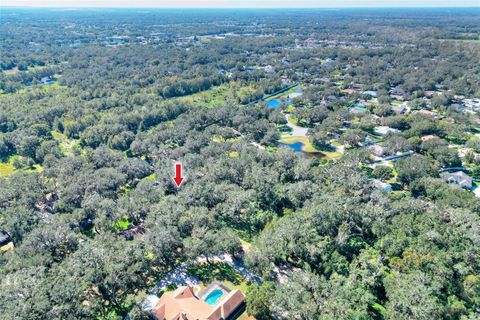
183	304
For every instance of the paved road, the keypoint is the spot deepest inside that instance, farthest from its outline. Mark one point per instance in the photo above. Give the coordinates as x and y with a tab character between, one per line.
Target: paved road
296	130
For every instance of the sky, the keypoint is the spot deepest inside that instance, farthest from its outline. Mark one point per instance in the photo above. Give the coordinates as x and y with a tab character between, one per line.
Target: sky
237	3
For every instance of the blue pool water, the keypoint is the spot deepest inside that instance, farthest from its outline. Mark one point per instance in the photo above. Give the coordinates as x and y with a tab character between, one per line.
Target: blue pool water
213	297
273	103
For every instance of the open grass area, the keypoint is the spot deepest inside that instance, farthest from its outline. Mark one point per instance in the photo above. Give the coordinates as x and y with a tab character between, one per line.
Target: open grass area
336	144
49	88
35	168
66	145
222	272
217	96
15	70
218	138
11	71
293	120
331	155
151	177
6	169
233	154
123	224
36	68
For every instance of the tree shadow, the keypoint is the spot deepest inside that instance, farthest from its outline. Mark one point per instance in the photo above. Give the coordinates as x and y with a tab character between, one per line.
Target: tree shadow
208	272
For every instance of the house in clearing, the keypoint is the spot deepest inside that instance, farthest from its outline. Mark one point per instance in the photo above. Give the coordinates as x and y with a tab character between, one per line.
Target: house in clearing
216	302
397	93
371	93
385	186
382	130
6	242
429	137
400	109
47	80
377	150
427	113
357	109
459	178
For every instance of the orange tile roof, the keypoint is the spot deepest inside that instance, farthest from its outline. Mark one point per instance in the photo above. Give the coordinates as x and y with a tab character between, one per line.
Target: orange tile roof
182	304
429	137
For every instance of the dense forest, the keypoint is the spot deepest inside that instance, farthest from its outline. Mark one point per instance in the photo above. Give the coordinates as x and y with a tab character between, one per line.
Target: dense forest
96	107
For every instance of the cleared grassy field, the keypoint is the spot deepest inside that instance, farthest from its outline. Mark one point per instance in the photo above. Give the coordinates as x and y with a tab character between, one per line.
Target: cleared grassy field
11	71
66	145
217	96
6	169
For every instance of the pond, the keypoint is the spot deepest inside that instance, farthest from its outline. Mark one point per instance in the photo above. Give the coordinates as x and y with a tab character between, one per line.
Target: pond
298	148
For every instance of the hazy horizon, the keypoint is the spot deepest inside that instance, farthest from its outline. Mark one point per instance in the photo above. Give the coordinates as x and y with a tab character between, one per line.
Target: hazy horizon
236	4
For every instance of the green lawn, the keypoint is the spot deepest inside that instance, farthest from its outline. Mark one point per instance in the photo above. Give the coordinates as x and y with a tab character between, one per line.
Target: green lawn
6	169
66	145
123	224
38	89
222	272
331	155
151	177
293	120
11	71
217	96
336	144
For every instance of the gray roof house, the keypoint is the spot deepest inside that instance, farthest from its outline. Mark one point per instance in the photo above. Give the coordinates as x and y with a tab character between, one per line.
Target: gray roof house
385	186
397	93
6	243
459	178
4	238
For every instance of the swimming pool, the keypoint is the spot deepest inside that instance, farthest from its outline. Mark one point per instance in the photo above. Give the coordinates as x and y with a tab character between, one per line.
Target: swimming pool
213	297
273	103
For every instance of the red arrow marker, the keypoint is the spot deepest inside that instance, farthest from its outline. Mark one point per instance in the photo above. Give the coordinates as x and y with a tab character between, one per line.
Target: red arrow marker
178	179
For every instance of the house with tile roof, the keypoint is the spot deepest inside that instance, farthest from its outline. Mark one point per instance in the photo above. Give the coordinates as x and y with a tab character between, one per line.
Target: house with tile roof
216	302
